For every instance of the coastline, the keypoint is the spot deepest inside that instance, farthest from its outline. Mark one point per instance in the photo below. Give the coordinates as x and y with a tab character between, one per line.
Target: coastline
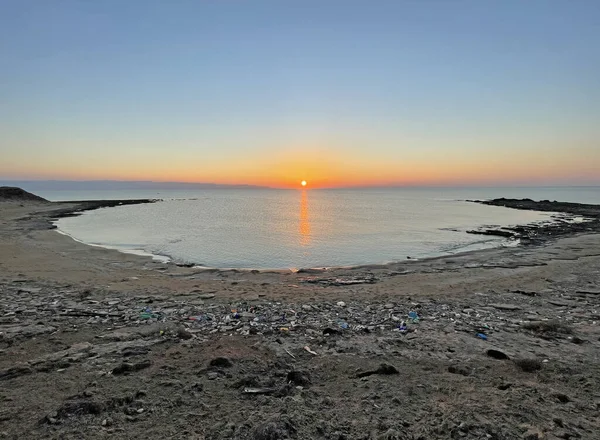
118	344
528	234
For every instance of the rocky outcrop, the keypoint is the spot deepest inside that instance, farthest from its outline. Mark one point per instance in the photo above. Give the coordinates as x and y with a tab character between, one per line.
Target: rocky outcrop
12	193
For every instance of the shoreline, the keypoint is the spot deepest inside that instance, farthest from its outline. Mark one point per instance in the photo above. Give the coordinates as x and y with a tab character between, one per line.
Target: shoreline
522	235
111	344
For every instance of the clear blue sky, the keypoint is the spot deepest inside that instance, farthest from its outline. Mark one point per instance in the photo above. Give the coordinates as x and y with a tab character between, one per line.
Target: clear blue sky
343	92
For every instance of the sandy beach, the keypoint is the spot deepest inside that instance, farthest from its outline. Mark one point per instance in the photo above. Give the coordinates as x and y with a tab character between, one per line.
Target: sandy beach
500	344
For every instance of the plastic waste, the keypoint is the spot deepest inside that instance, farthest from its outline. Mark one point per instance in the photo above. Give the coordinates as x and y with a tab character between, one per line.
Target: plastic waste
403	327
413	316
482	336
343	324
307	348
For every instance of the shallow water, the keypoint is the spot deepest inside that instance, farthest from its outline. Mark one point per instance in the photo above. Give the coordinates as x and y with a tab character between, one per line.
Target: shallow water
299	229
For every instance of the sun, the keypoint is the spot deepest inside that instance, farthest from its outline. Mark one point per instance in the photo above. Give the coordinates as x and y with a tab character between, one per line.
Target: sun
303	183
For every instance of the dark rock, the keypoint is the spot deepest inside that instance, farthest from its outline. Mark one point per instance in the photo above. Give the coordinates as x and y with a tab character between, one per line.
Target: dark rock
126	367
497	354
552	326
385	369
221	362
504	386
79	408
330	331
13	372
529	365
182	333
562	398
508	307
459	369
301	378
17	194
495	232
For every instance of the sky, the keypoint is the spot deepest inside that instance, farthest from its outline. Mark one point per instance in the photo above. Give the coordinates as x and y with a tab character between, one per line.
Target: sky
334	92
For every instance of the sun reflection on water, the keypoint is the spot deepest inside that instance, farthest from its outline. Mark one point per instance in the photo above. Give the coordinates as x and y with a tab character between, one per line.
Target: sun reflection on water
304	228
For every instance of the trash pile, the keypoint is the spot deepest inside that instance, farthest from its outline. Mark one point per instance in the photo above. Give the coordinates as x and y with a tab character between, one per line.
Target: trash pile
26	307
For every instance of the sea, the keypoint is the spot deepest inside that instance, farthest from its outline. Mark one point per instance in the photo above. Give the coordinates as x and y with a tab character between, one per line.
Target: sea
310	228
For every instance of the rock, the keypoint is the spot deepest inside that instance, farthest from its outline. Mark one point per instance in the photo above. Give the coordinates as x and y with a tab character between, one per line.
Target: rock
126	367
330	331
389	306
79	408
504	386
529	365
561	398
306	307
497	354
341	304
213	375
16	371
299	378
17	194
459	369
384	369
206	296
509	307
220	362
183	333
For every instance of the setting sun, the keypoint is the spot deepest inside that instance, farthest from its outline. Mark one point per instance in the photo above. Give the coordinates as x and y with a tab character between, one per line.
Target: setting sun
303	183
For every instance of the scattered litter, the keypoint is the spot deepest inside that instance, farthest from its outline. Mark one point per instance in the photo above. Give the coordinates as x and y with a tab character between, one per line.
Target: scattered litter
259	390
482	336
414	317
288	352
307	348
343	324
341	304
341	281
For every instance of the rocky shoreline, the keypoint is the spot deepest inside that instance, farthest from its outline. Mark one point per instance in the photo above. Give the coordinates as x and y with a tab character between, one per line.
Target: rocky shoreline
563	224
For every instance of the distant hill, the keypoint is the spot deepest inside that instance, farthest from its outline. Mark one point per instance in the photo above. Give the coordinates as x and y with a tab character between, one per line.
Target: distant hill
13	193
94	185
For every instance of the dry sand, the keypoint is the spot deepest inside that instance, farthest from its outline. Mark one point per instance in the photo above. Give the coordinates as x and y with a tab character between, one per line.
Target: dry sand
95	344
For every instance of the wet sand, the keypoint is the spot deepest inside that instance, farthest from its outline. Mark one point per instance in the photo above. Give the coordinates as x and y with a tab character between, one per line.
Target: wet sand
96	343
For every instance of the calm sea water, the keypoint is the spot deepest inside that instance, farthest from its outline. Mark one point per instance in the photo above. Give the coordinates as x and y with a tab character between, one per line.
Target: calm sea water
299	229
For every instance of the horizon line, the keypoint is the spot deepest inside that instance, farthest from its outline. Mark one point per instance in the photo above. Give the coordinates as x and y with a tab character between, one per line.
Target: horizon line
255	186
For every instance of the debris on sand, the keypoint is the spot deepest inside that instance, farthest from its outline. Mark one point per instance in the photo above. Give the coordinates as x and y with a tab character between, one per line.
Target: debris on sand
341	281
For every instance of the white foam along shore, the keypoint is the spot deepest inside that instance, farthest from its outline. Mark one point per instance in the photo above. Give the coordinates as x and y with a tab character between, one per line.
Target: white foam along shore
139	252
